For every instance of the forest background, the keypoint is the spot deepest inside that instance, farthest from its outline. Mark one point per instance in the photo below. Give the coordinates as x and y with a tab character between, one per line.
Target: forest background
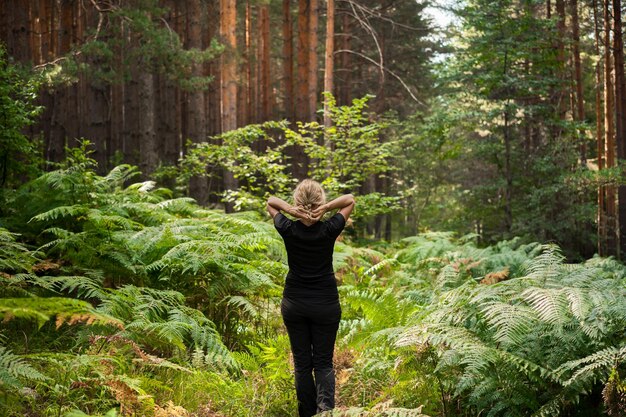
505	128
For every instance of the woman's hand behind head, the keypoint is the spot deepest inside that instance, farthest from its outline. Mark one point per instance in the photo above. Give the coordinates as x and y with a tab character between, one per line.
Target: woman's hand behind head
318	212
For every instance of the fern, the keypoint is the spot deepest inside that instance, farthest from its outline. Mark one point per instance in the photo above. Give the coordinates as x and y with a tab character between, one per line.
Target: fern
159	319
541	328
66	310
14	368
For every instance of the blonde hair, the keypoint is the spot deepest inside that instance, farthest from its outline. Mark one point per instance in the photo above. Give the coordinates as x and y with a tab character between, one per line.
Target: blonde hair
309	194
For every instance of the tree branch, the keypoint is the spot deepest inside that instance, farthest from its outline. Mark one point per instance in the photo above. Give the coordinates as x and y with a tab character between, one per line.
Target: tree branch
382	68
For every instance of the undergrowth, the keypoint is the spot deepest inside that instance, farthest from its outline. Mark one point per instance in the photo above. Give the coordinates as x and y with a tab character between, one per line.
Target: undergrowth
117	299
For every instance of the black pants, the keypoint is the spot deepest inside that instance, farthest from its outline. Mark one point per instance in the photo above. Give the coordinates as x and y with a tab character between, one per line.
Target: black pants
312	328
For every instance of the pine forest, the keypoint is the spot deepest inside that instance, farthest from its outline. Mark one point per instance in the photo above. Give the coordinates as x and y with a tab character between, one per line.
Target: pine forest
481	273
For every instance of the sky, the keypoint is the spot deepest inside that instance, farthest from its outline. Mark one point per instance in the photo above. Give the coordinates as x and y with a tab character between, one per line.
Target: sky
437	10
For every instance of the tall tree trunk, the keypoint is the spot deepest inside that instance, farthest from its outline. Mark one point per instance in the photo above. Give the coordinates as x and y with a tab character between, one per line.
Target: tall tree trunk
609	133
560	93
167	106
288	60
302	102
601	217
19	48
508	174
59	130
45	11
196	117
244	97
148	157
96	101
46	99
5	23
214	69
266	90
228	24
329	57
116	141
312	61
300	159
119	132
579	112
36	30
620	117
344	93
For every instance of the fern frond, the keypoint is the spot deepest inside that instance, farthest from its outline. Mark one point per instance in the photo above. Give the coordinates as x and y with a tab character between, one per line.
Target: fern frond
66	310
13	368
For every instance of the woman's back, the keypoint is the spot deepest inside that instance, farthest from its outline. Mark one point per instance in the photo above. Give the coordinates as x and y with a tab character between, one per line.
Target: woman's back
310	256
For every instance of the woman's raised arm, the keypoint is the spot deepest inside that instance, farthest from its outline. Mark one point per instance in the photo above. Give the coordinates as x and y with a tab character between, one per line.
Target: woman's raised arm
275	205
345	204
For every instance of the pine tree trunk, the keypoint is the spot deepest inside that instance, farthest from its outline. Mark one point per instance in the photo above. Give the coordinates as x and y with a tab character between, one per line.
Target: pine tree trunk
344	94
5	23
609	133
19	48
329	57
35	32
560	92
302	103
579	113
312	60
45	11
167	106
266	96
46	27
213	94
243	117
228	23
148	157
95	105
288	60
299	158
195	116
118	109
117	122
59	131
620	118
601	217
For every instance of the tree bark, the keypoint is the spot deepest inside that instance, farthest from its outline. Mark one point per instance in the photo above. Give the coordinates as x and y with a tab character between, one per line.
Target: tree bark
266	90
609	133
168	104
288	60
579	113
196	117
45	11
148	157
300	160
344	92
560	93
244	92
19	48
312	60
329	57
302	102
35	32
601	214
620	118
95	107
62	101
228	24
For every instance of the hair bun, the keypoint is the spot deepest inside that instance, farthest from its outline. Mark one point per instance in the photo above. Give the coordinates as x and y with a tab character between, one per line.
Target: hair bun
309	194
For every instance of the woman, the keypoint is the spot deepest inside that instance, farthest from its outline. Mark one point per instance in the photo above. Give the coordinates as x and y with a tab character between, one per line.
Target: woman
310	304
